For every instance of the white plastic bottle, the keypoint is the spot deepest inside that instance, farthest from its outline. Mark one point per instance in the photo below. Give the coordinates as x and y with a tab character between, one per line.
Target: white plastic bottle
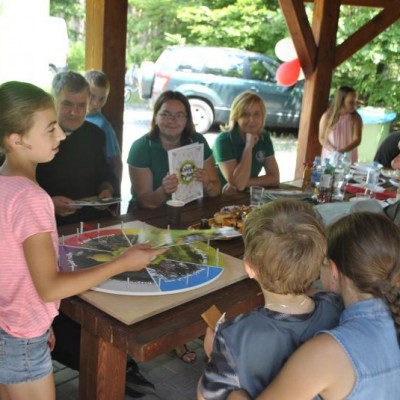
346	162
338	181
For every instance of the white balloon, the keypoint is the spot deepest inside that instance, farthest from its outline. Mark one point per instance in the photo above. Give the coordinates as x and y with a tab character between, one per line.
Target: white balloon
285	50
301	76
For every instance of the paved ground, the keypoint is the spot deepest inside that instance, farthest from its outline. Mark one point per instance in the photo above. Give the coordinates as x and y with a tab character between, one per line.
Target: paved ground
173	379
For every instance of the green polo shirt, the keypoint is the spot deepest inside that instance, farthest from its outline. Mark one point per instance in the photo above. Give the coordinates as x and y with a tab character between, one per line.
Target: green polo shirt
146	153
229	146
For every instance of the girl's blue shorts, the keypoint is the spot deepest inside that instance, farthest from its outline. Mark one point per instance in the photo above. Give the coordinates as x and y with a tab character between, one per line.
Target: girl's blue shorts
24	360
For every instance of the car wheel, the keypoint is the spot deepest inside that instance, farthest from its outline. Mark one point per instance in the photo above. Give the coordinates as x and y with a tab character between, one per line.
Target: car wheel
202	114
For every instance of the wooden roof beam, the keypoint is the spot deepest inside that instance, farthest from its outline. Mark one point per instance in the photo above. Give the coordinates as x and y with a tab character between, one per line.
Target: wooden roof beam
301	33
367	32
363	3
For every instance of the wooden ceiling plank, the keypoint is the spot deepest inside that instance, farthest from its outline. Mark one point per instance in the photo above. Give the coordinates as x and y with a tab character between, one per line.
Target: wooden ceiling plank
367	32
94	34
363	3
301	33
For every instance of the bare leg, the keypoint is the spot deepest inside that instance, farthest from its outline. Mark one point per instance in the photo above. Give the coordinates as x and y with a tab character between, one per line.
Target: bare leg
3	393
42	389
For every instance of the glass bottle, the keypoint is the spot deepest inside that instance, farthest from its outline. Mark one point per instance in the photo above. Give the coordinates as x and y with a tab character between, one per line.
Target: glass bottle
306	186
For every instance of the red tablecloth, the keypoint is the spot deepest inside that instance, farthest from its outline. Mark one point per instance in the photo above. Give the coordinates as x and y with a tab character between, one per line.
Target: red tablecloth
379	196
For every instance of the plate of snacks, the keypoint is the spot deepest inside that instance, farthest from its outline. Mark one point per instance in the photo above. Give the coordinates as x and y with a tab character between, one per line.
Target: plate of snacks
230	217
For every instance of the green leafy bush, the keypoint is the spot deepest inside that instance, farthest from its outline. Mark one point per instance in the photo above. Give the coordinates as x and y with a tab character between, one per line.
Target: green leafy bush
76	57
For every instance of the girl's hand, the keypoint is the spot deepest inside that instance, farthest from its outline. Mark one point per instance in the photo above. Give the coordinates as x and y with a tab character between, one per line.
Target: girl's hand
52	339
202	176
138	257
170	184
229	189
251	139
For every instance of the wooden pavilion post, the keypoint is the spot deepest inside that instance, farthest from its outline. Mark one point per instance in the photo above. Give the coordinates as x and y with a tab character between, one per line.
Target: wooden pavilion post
316	50
319	55
106	23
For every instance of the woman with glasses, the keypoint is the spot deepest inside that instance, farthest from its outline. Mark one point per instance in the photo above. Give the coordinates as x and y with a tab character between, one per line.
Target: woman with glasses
171	127
245	148
340	126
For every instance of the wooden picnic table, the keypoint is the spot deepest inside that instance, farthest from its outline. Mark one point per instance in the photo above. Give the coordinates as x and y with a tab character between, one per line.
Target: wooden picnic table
105	341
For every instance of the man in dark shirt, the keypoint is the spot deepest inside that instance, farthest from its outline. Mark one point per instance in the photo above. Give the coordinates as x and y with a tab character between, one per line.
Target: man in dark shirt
80	168
388	150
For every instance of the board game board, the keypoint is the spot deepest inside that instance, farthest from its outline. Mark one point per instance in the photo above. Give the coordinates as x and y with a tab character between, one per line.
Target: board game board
187	265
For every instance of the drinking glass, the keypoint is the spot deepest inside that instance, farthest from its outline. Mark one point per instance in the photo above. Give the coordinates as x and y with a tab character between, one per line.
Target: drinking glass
372	181
256	193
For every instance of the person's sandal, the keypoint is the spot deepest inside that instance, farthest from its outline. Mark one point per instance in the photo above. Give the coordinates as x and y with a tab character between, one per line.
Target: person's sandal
185	354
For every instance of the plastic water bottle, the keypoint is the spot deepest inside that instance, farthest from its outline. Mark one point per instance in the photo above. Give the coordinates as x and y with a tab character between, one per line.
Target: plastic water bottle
316	172
338	181
372	179
346	161
326	183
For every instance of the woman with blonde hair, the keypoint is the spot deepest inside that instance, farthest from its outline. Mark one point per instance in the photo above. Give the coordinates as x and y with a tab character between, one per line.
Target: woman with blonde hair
340	126
244	147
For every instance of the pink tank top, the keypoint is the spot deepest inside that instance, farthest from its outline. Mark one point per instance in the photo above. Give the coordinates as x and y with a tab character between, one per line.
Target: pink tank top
341	136
26	209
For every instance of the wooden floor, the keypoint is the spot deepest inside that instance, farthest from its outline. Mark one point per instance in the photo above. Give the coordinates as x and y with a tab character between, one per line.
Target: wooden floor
173	379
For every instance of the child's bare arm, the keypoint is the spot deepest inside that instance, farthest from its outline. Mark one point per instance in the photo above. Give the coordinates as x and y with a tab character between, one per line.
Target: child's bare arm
52	284
212	317
238	395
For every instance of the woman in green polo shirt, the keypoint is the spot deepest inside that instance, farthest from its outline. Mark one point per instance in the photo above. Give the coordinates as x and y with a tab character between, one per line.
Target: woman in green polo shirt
171	127
245	147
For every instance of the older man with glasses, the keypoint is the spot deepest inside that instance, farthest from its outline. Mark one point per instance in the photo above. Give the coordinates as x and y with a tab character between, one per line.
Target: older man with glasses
80	169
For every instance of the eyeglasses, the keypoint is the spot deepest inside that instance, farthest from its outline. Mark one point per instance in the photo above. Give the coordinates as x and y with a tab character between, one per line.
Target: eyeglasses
169	117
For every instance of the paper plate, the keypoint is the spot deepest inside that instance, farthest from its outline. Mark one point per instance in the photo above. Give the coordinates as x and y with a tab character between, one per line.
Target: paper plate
390	173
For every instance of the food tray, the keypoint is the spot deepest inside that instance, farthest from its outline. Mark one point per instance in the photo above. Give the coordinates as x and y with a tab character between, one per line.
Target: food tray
232	232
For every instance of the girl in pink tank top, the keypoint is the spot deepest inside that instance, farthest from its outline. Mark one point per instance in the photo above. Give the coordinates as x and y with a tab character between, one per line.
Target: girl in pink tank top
340	126
30	283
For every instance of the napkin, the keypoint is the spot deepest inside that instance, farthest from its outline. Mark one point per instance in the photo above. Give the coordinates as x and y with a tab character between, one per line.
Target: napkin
379	196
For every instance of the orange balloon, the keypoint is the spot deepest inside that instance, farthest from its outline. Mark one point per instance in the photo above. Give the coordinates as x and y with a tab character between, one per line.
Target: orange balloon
288	73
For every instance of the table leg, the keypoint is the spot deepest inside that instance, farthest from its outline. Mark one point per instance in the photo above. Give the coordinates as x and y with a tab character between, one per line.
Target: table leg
102	369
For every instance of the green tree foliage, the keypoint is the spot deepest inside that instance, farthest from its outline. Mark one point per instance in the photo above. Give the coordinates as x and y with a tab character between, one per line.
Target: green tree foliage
247	24
255	25
374	71
73	11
